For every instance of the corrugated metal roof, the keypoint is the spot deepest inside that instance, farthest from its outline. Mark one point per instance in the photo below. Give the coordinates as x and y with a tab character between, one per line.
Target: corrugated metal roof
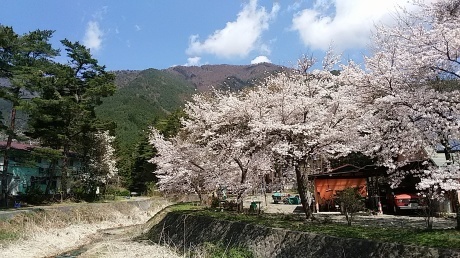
455	144
18	146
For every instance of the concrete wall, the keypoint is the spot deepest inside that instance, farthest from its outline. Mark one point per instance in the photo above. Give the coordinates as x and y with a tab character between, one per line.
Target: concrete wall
272	242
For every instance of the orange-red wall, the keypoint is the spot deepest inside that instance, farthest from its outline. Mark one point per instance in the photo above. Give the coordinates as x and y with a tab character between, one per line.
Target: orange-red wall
328	187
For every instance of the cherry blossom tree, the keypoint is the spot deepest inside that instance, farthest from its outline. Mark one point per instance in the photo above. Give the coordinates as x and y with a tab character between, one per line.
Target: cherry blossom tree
180	167
98	163
295	118
409	108
306	117
220	122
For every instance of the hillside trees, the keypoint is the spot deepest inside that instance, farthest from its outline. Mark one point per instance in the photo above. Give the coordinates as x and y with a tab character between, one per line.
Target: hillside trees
142	170
22	61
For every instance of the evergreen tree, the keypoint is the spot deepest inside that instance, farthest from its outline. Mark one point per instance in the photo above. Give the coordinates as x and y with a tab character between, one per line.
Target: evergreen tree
23	59
142	169
64	116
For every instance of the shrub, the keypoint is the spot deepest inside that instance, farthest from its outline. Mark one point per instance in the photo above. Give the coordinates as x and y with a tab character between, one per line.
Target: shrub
33	195
351	202
215	202
116	190
152	189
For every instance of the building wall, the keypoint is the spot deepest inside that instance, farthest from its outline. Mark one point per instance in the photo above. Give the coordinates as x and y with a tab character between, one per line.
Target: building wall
328	188
23	174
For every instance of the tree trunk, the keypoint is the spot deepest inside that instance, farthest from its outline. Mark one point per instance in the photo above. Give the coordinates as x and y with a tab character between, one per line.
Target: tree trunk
244	172
64	176
198	191
50	176
200	197
302	187
239	202
6	158
348	217
457	202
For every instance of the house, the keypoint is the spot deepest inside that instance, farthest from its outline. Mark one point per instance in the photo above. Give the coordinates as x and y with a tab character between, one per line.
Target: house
438	157
372	183
328	184
27	170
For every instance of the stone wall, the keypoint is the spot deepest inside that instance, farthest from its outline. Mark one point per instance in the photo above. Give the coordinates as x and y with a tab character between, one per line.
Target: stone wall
187	230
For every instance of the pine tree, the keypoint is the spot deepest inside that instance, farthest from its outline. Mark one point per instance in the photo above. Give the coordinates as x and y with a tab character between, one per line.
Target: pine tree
23	59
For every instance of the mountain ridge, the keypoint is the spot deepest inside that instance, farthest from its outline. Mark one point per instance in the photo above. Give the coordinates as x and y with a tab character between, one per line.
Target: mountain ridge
206	77
233	77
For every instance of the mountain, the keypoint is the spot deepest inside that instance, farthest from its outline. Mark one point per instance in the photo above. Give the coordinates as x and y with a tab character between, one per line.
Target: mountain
233	77
144	96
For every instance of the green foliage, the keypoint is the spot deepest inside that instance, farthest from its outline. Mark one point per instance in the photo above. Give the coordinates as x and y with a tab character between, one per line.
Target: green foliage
153	94
116	190
144	98
142	170
63	115
170	125
351	202
220	250
152	189
34	195
78	191
22	61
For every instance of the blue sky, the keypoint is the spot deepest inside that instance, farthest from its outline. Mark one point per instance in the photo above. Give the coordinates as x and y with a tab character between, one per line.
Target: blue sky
159	34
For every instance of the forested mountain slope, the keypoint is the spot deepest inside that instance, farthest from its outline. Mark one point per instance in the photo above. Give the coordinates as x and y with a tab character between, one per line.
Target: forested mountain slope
142	97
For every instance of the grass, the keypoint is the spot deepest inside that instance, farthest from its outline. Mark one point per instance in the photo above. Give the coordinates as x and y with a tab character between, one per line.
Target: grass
442	238
26	224
8	235
219	250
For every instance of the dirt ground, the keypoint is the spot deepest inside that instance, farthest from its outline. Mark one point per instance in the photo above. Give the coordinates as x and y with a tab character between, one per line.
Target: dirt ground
409	220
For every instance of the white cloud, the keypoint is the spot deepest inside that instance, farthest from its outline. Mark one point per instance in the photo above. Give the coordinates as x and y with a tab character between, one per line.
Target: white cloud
99	15
295	6
93	36
260	59
137	27
193	61
239	37
347	23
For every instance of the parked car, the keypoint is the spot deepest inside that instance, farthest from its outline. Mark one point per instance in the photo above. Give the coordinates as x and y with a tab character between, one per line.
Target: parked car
398	202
